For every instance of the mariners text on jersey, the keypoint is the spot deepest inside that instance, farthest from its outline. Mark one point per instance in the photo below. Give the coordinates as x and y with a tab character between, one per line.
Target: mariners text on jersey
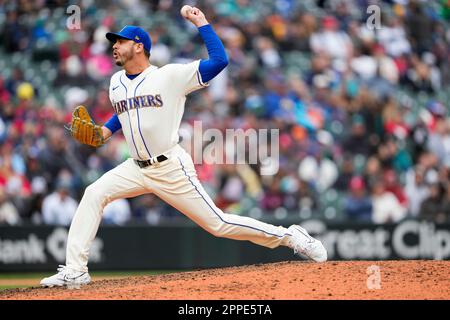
138	102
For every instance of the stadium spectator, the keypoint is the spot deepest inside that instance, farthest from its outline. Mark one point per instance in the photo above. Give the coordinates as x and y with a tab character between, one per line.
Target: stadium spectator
432	208
273	197
14	81
386	207
358	205
390	180
386	67
58	208
118	212
4	93
15	34
419	76
419	27
358	139
231	187
372	170
416	189
331	40
8	212
57	156
346	173
439	141
392	36
102	111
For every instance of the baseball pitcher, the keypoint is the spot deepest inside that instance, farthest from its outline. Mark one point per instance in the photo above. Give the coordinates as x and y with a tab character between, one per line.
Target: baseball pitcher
148	106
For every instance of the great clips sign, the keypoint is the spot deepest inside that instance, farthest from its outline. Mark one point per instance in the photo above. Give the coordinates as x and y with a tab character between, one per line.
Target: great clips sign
409	239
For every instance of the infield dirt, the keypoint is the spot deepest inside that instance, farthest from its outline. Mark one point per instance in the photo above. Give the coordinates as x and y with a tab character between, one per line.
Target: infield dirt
293	280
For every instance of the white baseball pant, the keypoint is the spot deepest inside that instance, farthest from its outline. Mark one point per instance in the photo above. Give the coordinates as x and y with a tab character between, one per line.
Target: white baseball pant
174	181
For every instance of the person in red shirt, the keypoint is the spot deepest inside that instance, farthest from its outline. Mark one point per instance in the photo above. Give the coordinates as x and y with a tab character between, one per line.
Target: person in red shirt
391	183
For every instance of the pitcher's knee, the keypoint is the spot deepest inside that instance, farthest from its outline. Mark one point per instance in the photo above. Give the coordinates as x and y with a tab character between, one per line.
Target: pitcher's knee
95	194
219	229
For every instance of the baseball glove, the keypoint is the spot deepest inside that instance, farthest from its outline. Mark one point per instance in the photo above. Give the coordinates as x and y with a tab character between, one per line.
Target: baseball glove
84	129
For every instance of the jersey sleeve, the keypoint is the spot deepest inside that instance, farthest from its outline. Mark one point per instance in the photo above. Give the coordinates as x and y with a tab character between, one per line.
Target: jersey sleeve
113	124
188	77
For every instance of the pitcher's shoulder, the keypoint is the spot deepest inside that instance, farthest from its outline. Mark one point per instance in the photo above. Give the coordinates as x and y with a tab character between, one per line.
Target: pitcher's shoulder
180	64
168	67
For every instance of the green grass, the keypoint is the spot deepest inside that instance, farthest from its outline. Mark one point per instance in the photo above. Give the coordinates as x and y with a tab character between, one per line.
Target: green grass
12	287
37	276
32	275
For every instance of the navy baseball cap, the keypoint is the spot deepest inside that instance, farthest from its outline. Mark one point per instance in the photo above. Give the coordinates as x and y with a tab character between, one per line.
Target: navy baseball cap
137	34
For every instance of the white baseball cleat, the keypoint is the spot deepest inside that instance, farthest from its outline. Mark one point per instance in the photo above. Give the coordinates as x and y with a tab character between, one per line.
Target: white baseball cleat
66	277
304	244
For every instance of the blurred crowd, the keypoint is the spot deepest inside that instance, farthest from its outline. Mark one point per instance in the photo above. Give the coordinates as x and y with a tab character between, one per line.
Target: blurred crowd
349	144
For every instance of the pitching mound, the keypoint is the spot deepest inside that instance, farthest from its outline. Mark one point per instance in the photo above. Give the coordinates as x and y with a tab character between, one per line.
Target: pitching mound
286	280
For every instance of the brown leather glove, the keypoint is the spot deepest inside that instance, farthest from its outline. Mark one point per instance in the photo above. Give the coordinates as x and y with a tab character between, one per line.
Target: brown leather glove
84	129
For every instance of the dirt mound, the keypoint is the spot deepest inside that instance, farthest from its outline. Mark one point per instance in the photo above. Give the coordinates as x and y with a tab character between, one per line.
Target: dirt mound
286	280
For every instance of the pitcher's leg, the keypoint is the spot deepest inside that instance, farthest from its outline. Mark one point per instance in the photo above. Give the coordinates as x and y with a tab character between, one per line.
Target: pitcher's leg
186	194
124	181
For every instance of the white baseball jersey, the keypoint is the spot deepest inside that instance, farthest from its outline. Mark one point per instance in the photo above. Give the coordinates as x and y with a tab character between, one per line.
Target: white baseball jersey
150	106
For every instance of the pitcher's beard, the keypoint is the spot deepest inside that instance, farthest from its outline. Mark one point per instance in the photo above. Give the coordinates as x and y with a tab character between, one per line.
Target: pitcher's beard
120	62
125	57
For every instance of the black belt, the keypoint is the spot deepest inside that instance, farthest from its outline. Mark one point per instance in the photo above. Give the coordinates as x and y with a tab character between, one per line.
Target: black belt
147	163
